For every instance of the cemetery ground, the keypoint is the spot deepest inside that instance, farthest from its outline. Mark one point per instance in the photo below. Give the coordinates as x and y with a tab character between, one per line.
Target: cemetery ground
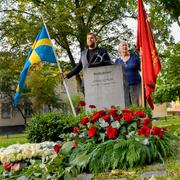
167	170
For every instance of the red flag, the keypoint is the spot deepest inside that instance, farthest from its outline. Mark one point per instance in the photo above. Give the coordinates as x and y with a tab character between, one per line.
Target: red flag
150	60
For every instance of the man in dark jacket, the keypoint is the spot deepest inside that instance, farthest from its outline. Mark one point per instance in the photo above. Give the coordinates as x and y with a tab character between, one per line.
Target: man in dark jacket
93	56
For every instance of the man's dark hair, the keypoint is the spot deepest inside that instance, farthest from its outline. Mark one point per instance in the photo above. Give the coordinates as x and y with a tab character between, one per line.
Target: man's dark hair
90	33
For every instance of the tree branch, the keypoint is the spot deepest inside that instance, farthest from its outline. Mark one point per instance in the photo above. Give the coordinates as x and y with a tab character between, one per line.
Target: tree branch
178	22
18	11
108	22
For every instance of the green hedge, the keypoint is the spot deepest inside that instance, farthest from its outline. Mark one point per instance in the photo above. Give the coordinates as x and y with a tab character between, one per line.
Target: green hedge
48	127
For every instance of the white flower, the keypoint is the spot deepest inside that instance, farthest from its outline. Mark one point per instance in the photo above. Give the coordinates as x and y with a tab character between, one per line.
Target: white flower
17	152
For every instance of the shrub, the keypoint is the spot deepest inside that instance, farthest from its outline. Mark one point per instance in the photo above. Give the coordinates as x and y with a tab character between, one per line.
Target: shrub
48	127
147	110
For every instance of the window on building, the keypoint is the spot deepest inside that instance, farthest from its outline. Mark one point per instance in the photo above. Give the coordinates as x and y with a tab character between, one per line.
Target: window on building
5	110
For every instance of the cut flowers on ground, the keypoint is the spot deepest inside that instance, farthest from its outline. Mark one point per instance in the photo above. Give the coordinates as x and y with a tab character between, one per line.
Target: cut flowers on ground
112	138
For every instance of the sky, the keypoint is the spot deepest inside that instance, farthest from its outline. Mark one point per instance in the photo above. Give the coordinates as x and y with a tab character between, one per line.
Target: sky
176	32
175	29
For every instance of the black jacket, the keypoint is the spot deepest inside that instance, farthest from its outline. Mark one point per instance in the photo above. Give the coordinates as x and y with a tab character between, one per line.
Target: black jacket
99	58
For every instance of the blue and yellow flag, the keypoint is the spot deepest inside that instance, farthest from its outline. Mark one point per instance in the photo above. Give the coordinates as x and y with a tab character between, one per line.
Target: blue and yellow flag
41	51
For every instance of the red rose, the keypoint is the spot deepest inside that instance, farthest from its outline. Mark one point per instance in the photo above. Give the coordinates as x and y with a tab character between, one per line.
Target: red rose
92	132
113	107
128	117
146	121
113	112
84	120
111	132
140	114
126	111
117	118
82	103
101	112
7	166
92	106
165	129
106	118
74	144
144	130
157	131
75	130
95	117
57	148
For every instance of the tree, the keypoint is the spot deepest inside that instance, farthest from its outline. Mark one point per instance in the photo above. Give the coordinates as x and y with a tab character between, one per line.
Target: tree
9	73
168	86
172	8
43	81
69	21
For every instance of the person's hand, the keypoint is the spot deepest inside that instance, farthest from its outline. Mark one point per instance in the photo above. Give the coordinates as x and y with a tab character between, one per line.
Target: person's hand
63	76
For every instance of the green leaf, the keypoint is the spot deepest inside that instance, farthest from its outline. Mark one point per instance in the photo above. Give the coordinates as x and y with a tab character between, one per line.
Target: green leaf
103	123
80	160
145	141
116	124
102	135
66	148
37	174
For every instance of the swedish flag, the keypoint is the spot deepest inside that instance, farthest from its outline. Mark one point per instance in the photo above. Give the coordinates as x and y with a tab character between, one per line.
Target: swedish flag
41	51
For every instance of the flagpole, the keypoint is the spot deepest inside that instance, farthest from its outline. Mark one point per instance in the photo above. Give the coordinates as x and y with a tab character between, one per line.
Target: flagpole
60	70
142	81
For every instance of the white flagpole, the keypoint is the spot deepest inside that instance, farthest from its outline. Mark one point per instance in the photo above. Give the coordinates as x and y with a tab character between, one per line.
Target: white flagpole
60	70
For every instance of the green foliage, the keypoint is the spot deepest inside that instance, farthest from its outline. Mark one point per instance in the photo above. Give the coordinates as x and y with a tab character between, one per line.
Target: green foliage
94	158
146	110
69	21
43	82
172	8
119	154
9	69
172	123
168	86
49	127
41	169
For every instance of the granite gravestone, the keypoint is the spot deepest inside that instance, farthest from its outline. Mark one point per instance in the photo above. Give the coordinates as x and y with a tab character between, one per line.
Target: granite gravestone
106	86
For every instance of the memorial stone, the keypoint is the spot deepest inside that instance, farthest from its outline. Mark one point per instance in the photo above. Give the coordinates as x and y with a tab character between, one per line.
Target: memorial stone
106	86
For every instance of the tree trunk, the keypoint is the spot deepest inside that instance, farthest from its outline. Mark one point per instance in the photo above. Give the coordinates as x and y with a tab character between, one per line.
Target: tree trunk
19	109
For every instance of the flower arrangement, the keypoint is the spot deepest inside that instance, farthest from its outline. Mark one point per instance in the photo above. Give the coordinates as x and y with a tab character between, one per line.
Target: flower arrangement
115	138
18	152
113	123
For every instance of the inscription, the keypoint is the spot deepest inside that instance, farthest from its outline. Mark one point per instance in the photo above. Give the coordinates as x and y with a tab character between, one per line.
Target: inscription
100	73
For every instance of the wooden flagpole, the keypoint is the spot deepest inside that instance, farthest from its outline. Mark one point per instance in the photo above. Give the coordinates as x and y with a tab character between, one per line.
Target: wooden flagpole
60	70
142	82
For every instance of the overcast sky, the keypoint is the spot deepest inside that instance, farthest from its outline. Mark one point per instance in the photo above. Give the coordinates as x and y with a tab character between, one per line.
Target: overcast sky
176	32
175	29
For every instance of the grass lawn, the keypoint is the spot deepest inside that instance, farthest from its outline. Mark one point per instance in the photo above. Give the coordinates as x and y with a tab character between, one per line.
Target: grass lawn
7	140
171	165
171	122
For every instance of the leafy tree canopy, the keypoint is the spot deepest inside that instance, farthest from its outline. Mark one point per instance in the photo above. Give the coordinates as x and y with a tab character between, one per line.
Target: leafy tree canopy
69	21
168	86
